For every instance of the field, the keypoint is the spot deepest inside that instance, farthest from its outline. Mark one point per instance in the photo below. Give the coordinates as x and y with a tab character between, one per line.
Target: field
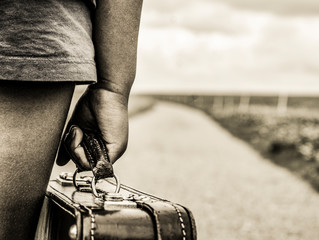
285	130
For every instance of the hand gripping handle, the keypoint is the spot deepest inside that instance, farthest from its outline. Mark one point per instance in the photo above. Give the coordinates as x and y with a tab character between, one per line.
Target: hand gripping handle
96	153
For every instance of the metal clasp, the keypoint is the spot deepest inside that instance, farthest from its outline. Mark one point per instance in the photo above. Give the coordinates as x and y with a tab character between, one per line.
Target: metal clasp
92	181
66	179
94	190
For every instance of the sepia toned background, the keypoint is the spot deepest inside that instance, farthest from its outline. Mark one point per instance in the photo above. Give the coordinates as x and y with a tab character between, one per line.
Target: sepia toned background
224	115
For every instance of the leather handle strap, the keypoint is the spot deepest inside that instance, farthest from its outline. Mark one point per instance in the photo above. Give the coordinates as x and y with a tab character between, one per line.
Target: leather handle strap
170	226
96	153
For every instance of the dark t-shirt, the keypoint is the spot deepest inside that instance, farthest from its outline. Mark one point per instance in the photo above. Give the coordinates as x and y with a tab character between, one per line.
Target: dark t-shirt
46	40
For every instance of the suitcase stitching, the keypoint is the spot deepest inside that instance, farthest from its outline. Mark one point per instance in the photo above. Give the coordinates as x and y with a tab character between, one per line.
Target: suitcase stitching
93	225
181	221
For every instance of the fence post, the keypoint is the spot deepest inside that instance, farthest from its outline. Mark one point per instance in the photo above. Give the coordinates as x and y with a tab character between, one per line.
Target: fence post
244	103
229	103
282	103
218	103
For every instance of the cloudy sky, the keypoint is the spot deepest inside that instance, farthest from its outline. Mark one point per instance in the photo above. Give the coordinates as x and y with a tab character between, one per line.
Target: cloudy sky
229	45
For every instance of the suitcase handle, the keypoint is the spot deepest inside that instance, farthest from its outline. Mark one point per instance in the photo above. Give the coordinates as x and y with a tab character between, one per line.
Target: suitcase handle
95	151
93	184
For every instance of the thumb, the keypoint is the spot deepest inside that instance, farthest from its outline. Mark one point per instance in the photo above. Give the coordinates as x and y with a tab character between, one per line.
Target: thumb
63	157
71	149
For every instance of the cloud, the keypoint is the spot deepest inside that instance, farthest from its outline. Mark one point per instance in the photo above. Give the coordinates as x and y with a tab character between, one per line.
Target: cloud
165	6
198	16
281	7
290	45
207	45
211	17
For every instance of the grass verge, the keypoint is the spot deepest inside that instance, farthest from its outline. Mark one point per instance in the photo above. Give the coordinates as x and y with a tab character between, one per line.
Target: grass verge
290	140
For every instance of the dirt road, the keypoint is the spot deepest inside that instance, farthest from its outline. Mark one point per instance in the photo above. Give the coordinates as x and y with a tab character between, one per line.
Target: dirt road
180	154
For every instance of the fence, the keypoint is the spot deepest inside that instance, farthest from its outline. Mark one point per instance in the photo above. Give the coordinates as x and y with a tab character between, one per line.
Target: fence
279	102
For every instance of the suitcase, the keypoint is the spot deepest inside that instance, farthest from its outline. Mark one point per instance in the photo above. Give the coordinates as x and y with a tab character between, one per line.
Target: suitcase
109	210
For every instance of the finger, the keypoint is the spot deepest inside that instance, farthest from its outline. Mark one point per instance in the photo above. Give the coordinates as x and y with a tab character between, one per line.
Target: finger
63	156
116	150
74	138
80	156
72	143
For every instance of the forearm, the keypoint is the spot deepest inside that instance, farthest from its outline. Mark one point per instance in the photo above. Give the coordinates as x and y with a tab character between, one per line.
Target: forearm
103	108
115	33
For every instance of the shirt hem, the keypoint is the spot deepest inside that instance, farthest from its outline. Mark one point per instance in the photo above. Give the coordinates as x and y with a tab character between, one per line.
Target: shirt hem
48	70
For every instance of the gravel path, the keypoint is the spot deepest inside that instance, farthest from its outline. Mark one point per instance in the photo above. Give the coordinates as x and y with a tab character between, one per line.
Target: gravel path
180	154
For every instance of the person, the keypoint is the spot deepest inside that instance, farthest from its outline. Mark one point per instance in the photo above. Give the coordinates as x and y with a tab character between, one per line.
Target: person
46	48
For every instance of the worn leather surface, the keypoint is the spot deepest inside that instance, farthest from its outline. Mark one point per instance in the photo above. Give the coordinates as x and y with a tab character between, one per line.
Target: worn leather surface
96	153
172	221
148	217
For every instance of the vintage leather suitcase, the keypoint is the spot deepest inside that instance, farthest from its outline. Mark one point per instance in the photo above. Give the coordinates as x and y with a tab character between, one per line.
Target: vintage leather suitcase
111	211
